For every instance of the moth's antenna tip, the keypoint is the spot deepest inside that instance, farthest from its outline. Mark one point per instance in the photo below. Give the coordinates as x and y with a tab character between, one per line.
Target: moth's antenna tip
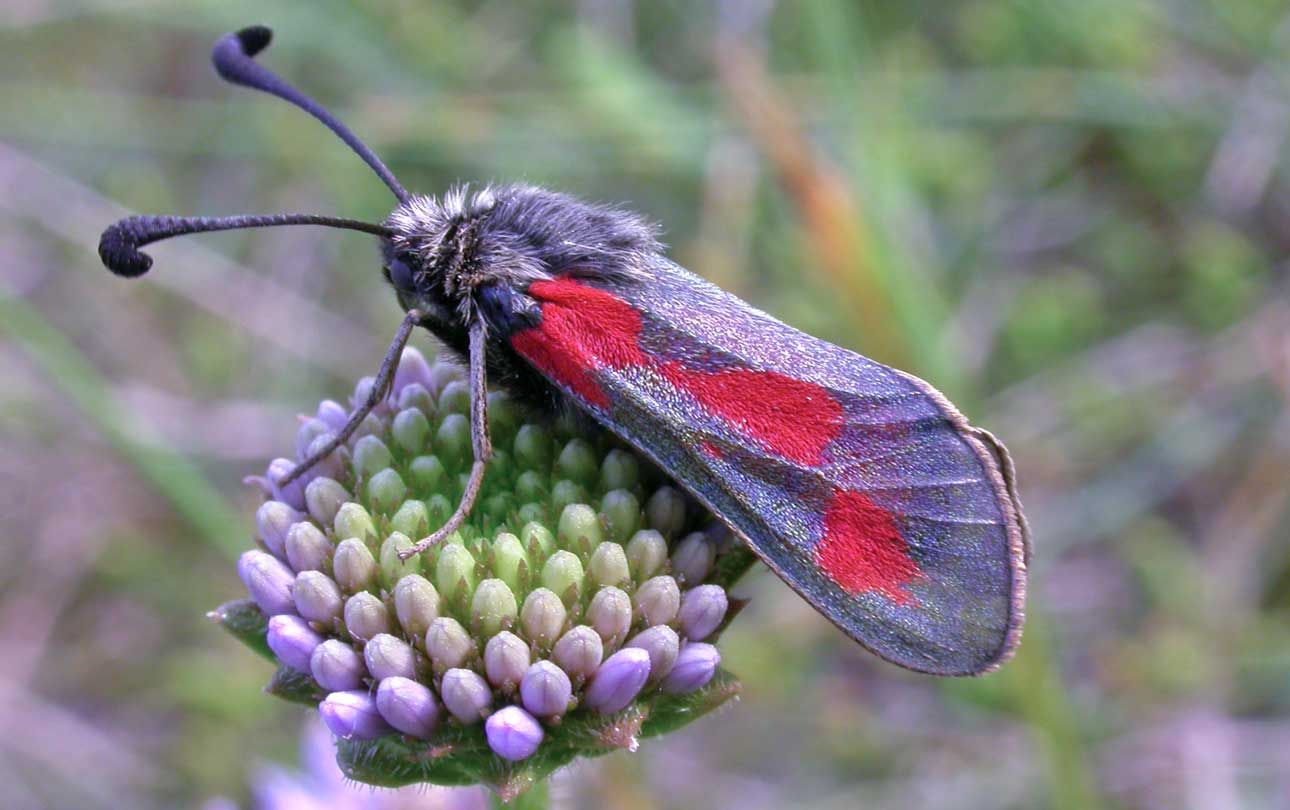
119	250
231	51
254	38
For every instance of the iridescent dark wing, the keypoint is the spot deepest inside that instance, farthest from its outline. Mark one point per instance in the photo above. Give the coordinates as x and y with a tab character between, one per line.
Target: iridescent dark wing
861	486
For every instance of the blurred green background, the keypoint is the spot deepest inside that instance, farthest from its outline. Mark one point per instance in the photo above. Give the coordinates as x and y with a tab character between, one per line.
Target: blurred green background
1072	216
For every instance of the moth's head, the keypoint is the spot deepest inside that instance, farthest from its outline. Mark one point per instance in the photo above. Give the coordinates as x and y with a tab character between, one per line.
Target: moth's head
233	58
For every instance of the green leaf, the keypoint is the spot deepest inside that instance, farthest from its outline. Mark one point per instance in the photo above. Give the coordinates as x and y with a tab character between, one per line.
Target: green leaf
295	686
243	619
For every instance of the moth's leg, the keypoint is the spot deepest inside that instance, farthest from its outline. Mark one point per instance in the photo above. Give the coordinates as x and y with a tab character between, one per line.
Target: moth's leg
380	390
482	446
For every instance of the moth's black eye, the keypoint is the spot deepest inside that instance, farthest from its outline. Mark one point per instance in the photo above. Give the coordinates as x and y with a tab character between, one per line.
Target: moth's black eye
399	274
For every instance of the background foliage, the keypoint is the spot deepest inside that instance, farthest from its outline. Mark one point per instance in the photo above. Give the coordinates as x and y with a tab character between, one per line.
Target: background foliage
1071	215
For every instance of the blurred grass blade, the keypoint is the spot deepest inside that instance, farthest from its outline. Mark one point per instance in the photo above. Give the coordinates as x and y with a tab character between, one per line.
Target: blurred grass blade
193	497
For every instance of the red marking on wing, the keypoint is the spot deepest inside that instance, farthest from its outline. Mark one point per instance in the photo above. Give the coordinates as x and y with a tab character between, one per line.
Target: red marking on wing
711	449
793	419
585	329
862	549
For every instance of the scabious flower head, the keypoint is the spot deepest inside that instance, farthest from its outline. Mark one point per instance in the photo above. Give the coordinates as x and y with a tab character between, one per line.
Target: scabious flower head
571	614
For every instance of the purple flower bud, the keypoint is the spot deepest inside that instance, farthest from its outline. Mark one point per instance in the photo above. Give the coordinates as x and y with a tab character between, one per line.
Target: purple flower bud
293	494
292	640
389	657
317	596
662	644
329	466
333	414
618	681
272	520
506	657
658	599
408	706
336	667
268	581
466	695
693	558
353	715
545	690
702	611
366	616
308	549
513	733
309	430
695	665
579	652
412	368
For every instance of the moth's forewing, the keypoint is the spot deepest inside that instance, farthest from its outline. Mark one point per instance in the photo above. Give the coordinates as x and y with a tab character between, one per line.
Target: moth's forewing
861	486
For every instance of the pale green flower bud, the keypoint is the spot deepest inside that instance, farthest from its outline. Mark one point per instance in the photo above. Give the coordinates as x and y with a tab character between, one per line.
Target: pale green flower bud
565	493
620	513
410	429
366	616
308	549
371	456
537	541
532	448
658	600
579	529
416	396
563	575
619	470
455	398
503	414
412	519
665	511
323	499
416	604
531	486
542	617
317	596
610	614
354	566
509	560
577	462
646	554
352	520
386	490
452	441
392	568
494	608
608	565
455	572
448	644
427	473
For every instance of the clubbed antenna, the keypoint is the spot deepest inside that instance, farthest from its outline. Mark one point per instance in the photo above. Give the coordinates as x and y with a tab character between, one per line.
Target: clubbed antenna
233	57
120	243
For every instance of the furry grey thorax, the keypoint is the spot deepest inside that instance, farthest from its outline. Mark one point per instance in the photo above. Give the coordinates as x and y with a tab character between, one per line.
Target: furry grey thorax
474	255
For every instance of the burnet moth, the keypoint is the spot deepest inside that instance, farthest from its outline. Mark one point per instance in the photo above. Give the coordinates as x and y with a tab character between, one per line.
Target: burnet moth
860	485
